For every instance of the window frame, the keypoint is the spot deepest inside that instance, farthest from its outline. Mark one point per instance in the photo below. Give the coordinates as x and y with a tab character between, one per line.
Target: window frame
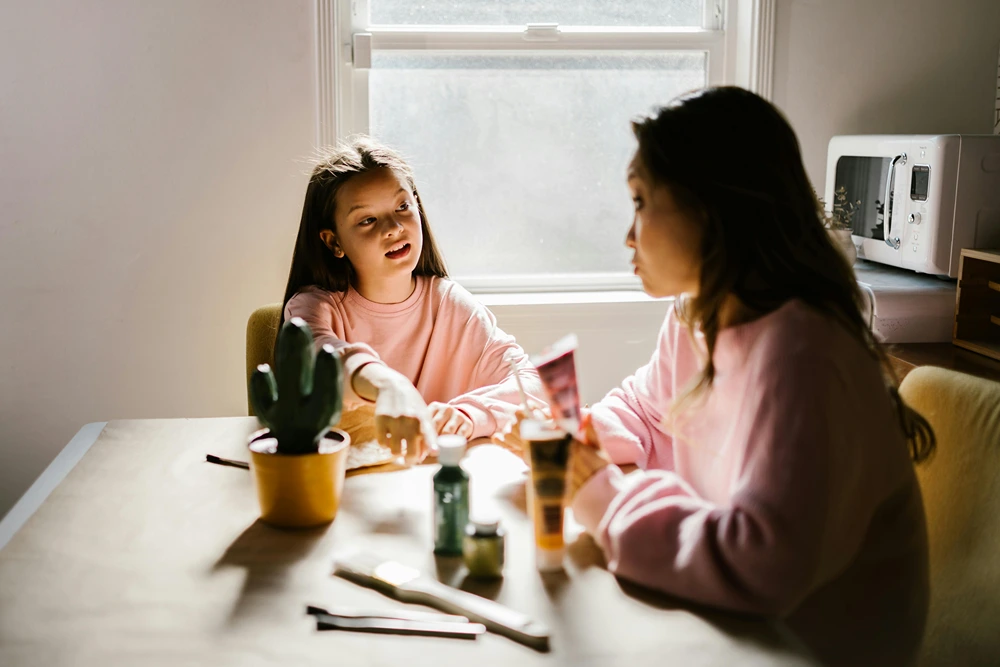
737	37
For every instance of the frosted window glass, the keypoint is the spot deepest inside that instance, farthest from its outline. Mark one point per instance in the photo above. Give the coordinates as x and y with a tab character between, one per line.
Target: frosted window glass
520	159
673	13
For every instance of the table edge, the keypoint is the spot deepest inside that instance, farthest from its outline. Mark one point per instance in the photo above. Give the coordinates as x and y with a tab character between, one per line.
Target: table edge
50	478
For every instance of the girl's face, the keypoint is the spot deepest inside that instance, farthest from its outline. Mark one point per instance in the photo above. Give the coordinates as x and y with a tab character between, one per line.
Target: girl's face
378	227
665	239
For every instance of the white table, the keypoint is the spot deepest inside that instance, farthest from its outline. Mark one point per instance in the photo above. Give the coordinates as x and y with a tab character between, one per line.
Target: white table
145	554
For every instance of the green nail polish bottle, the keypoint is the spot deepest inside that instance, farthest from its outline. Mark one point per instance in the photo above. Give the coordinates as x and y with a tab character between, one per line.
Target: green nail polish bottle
451	497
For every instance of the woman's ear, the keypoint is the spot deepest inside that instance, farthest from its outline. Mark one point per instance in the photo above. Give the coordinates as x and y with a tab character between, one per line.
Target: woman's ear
330	241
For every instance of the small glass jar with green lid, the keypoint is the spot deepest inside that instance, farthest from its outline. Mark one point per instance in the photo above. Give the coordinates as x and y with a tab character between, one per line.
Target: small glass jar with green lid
483	548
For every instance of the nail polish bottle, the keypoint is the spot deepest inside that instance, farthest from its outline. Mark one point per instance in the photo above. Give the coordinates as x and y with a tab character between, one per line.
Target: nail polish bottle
451	497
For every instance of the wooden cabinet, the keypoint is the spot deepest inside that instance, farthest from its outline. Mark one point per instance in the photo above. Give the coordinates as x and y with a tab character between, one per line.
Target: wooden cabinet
977	308
907	356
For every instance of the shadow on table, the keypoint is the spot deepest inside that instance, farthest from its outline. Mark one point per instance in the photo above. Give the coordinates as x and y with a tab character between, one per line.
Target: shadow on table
747	627
268	555
374	512
451	571
584	553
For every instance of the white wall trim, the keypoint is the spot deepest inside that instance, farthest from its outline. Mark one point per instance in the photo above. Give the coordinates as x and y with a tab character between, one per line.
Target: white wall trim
762	47
328	61
46	483
750	45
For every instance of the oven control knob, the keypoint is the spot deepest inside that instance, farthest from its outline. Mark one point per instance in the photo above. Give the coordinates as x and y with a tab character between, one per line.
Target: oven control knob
913	219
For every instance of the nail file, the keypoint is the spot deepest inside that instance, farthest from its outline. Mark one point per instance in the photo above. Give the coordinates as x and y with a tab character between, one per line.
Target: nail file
407	584
397	614
212	458
397	626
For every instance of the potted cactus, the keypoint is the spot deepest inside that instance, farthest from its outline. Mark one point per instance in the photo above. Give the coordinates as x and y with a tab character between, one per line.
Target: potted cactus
298	460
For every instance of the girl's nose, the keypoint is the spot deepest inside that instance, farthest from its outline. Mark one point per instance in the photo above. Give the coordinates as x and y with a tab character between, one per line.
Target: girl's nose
392	226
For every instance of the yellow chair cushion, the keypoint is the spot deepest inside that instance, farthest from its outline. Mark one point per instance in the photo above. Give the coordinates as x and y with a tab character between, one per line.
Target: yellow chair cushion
262	327
961	491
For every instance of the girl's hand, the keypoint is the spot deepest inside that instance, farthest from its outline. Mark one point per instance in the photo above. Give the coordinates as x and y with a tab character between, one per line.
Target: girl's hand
402	421
510	437
586	459
449	419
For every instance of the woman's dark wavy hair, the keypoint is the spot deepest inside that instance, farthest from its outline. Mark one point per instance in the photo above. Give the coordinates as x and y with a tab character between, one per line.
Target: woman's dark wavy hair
313	263
732	160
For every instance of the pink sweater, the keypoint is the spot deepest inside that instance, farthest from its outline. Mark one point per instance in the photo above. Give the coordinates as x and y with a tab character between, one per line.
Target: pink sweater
440	337
787	491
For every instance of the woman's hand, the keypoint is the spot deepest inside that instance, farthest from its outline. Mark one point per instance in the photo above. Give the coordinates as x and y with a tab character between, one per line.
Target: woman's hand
448	419
402	421
586	459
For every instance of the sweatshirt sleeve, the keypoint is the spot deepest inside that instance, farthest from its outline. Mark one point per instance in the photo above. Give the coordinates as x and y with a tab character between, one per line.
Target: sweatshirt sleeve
319	314
781	534
491	406
627	420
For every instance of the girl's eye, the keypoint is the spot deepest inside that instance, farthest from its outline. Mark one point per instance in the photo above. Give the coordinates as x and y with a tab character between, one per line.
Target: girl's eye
637	201
405	206
367	221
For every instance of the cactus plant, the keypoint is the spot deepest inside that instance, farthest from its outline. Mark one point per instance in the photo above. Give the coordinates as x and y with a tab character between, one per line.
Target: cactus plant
307	397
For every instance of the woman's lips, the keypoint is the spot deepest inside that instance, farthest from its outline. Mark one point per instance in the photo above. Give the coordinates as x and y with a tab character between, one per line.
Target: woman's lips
399	254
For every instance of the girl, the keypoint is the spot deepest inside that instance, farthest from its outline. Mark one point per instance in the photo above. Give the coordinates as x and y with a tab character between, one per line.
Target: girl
775	454
367	277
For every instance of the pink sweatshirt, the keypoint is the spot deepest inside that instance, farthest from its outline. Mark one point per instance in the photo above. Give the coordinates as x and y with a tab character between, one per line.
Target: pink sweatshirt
787	491
440	337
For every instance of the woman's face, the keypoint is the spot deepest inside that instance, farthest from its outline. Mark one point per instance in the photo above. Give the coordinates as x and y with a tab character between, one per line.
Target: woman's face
377	226
665	239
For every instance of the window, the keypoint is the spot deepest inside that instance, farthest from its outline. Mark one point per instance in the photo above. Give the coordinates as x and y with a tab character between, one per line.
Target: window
515	115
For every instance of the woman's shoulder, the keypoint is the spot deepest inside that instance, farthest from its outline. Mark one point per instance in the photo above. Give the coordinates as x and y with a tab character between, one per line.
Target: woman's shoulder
798	325
798	334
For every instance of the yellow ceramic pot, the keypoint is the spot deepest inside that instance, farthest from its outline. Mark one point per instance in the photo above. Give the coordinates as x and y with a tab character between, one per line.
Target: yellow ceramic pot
301	490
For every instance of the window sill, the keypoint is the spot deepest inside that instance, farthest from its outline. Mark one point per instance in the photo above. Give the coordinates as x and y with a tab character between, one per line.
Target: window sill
492	299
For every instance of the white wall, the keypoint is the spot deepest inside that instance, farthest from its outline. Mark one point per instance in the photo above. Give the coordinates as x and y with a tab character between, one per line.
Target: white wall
152	181
884	67
151	186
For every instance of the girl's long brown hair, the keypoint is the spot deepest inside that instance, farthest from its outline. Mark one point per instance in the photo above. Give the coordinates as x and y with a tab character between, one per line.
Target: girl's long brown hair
733	161
313	263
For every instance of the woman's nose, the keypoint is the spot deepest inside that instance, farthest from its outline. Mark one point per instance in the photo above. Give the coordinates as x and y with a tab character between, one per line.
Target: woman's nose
630	237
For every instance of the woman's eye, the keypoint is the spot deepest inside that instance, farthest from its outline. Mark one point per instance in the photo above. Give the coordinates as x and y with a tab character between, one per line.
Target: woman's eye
637	201
367	221
405	206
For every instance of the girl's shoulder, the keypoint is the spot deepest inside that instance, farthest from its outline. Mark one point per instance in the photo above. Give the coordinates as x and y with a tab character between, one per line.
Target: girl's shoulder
450	294
313	296
457	307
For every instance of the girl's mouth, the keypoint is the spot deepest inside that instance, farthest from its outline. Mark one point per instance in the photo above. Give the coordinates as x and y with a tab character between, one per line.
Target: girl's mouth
399	252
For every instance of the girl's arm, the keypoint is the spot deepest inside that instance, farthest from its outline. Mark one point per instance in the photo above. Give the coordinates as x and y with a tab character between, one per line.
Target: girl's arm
400	412
318	314
796	516
492	406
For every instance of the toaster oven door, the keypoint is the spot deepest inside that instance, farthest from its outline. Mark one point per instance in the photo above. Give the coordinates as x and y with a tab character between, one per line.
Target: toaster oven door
865	191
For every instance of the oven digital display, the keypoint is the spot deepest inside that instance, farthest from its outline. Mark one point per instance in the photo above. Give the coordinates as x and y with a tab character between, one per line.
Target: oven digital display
919	181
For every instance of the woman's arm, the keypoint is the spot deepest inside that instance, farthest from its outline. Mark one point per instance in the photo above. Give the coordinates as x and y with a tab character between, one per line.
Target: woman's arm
781	534
628	420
